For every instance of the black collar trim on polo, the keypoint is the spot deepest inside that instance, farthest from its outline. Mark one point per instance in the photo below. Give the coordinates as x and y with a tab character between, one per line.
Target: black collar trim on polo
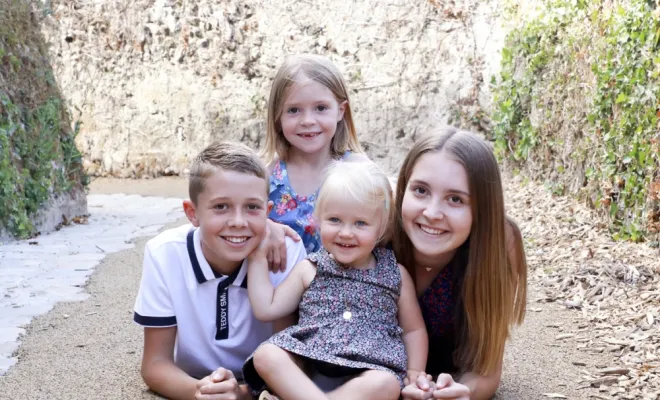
193	258
197	269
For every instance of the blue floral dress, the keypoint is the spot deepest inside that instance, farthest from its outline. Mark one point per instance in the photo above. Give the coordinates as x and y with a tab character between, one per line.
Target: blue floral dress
294	210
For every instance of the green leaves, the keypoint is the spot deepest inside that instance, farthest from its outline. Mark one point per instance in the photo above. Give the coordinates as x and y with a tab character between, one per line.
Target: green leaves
588	77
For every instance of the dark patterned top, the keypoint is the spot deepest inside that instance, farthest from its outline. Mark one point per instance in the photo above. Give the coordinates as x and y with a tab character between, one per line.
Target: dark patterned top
438	303
370	338
442	309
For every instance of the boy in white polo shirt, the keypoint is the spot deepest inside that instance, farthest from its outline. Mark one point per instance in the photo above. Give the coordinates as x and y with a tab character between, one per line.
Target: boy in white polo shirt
193	301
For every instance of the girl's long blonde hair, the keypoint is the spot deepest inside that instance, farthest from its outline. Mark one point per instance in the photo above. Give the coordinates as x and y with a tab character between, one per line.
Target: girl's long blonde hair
321	70
493	290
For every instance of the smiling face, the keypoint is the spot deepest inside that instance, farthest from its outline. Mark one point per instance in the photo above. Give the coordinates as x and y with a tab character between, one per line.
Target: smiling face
231	215
436	211
350	230
309	116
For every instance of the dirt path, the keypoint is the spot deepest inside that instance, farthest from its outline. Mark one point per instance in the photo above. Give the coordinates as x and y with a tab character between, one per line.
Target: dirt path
92	350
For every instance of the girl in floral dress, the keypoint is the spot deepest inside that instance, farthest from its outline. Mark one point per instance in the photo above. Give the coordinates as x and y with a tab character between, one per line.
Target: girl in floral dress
310	125
359	316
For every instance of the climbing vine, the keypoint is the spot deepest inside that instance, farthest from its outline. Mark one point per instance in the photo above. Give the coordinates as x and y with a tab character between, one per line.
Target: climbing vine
578	103
38	156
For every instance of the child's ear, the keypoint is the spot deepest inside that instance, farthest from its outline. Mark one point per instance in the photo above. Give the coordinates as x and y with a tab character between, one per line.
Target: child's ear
342	110
191	213
270	207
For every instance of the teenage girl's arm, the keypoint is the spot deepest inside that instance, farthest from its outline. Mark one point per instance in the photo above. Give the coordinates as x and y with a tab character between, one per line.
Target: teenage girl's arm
268	303
162	376
471	386
415	338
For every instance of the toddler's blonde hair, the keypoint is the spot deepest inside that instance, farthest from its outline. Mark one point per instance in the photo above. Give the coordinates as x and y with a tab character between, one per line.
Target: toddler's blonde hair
364	183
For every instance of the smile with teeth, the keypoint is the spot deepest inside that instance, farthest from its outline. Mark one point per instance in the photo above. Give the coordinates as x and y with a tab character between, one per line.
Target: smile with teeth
236	239
309	134
430	231
346	246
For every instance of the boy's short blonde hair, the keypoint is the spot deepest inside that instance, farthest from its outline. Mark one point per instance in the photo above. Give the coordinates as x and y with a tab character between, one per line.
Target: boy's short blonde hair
227	156
363	182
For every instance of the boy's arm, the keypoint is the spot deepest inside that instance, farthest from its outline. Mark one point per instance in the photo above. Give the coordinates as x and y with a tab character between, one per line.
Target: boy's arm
415	338
158	369
165	378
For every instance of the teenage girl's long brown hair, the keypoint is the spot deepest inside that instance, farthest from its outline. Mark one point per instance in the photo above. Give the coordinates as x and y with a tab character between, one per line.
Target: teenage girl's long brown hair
493	288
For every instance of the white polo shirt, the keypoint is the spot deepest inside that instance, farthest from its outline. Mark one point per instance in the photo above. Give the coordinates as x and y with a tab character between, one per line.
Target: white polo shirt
212	313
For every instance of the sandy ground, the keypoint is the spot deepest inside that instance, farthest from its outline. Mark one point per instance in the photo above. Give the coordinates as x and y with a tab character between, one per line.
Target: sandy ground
92	350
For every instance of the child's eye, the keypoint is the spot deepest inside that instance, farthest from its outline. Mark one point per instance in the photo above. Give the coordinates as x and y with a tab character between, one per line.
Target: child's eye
292	110
334	220
321	108
221	207
360	223
254	207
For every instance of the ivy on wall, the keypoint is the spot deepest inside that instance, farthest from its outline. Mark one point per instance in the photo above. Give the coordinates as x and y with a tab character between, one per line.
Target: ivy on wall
578	103
38	156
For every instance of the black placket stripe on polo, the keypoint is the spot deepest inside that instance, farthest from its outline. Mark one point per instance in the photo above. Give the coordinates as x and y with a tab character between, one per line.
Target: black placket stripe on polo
222	297
222	308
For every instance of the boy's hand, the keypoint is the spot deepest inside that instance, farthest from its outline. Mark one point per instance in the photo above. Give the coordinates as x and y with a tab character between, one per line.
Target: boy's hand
221	384
276	253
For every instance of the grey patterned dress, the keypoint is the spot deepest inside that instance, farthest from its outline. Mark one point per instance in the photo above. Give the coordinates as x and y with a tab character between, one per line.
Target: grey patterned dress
348	320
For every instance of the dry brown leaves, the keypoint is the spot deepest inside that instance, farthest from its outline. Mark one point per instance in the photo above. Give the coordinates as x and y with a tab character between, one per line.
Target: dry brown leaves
614	285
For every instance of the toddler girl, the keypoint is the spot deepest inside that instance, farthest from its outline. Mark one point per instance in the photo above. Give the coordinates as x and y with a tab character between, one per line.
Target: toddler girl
359	316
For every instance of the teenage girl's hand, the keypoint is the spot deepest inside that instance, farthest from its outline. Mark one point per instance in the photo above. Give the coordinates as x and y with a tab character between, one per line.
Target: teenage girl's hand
276	253
446	388
221	384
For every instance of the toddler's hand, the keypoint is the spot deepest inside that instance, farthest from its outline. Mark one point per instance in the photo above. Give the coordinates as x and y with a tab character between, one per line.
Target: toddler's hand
276	252
260	254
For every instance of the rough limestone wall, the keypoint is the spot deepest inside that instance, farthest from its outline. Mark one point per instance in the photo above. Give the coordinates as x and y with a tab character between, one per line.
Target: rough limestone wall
41	176
154	81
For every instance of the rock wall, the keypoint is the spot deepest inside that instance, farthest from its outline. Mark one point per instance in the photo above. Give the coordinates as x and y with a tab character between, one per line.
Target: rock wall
154	81
41	177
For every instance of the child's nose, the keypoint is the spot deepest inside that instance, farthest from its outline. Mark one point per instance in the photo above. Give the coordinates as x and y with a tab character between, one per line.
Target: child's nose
238	219
345	231
307	118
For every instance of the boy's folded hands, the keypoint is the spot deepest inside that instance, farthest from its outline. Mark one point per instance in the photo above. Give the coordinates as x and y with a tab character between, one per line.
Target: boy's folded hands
220	384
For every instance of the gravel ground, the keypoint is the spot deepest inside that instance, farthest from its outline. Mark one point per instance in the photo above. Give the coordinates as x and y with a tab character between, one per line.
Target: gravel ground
92	350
